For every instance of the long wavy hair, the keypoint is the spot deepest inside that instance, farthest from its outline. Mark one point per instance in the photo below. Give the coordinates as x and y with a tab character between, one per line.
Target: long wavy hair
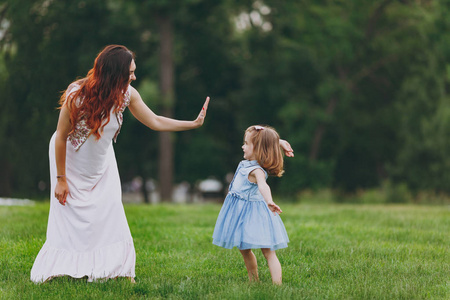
266	148
101	90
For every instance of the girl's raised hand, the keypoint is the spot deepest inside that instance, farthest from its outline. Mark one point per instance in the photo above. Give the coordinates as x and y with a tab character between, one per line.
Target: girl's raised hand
274	208
286	148
201	116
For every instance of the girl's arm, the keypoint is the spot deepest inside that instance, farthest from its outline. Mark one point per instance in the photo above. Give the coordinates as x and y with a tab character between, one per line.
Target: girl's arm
286	148
260	178
62	131
159	123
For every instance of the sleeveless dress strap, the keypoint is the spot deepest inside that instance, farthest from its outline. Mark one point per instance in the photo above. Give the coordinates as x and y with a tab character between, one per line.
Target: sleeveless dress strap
252	168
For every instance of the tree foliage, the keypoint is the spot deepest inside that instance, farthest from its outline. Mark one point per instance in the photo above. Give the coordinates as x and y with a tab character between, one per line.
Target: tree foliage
360	89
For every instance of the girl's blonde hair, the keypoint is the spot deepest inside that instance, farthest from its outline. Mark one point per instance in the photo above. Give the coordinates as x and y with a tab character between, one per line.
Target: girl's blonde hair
266	148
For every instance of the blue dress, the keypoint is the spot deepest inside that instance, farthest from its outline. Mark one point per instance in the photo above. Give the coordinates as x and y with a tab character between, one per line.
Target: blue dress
245	221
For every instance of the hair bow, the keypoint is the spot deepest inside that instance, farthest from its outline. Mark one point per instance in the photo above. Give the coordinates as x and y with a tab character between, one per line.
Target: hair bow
258	127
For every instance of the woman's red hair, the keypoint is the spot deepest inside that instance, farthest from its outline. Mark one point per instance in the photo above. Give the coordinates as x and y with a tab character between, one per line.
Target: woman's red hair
101	90
266	148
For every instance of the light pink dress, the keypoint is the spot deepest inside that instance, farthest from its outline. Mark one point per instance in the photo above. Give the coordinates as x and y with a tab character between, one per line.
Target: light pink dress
89	236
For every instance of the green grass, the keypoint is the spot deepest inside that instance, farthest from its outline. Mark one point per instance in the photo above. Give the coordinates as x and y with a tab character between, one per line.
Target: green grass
336	252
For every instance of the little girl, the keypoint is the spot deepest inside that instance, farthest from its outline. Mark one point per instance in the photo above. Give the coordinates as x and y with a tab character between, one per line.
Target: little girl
249	217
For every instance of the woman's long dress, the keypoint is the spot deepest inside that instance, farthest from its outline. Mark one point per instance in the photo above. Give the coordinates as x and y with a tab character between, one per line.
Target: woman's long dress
89	236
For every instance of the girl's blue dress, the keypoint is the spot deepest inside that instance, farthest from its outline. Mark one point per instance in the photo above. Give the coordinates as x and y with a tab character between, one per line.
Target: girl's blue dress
245	221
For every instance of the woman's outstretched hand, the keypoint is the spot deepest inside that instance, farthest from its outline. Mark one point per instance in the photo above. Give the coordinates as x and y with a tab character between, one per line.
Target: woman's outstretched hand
286	148
201	116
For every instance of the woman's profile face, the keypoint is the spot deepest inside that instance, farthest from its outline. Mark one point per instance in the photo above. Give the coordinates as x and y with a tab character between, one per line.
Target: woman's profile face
132	71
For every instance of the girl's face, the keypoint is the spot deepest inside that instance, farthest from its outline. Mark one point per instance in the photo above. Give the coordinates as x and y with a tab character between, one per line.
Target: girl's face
248	148
132	70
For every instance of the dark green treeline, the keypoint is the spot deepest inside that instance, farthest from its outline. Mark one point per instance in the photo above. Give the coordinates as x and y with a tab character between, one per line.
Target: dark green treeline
359	88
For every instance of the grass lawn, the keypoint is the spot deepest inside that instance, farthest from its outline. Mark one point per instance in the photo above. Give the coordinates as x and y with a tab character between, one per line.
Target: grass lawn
336	252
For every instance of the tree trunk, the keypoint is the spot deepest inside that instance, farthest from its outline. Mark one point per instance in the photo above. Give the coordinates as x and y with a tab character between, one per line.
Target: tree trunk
167	102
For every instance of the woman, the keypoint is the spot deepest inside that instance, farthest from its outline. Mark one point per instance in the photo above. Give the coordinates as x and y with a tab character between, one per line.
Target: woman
87	232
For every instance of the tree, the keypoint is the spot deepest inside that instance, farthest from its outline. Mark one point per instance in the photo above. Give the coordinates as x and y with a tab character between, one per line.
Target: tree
359	89
328	73
423	100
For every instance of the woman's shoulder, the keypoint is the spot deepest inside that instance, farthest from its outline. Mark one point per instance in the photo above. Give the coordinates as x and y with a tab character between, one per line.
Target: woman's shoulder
73	87
132	91
76	85
71	90
133	94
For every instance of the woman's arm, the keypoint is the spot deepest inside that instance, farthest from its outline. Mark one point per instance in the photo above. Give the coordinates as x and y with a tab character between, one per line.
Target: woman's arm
260	178
159	123
62	131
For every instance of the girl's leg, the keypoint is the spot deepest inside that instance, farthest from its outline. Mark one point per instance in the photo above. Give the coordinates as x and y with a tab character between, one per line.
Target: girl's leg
251	264
274	265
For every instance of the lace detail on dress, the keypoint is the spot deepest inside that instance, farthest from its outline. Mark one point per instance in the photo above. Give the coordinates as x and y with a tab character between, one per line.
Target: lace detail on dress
80	134
82	131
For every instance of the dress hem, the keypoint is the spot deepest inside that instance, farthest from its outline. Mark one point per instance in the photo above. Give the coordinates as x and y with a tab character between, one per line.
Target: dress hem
245	246
112	261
